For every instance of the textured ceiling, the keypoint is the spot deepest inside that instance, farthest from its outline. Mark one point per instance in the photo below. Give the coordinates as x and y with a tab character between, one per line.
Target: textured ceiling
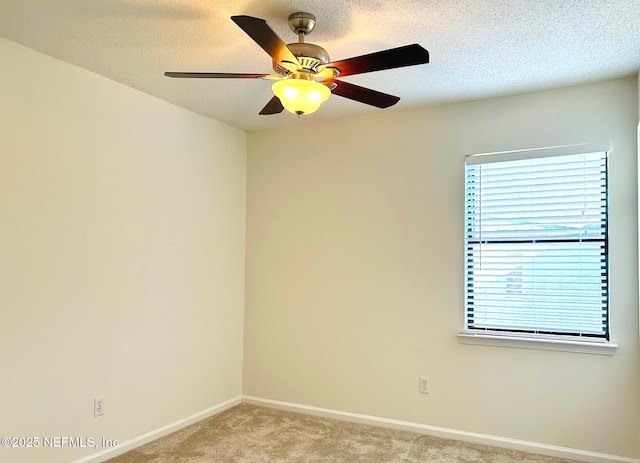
478	49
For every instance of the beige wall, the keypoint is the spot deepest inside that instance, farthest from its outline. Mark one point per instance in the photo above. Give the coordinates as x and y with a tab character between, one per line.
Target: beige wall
122	237
638	172
121	257
354	276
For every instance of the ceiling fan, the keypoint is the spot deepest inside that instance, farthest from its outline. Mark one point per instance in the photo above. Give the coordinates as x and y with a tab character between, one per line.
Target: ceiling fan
305	76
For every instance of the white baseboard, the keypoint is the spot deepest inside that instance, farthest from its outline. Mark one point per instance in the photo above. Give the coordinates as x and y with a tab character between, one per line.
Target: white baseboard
504	442
138	441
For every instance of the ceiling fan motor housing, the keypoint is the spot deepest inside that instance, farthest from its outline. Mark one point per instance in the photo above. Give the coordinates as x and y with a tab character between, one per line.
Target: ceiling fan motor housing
309	55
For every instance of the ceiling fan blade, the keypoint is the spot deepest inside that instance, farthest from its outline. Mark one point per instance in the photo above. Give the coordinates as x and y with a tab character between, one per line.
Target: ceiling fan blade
408	55
263	35
273	107
364	95
213	75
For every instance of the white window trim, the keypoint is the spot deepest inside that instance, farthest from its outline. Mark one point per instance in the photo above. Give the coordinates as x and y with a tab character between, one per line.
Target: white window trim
537	153
524	341
527	340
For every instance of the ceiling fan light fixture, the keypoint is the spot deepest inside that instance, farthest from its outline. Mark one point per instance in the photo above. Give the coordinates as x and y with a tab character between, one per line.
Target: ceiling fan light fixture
299	96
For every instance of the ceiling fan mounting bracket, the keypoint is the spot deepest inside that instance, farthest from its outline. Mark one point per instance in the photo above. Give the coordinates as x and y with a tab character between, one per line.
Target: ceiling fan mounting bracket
302	23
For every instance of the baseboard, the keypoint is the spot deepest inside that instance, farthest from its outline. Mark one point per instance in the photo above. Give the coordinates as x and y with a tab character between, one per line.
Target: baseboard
504	442
136	442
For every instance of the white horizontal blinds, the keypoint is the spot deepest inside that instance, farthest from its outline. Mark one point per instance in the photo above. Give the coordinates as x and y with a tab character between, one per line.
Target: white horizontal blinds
536	243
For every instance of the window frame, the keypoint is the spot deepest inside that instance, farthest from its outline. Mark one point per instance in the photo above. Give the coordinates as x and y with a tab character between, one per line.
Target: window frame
525	339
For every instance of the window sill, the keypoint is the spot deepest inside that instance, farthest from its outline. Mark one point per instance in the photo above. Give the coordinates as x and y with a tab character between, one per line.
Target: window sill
540	343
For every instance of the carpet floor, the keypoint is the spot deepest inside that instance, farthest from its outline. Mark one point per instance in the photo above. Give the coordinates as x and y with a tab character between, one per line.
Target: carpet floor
251	434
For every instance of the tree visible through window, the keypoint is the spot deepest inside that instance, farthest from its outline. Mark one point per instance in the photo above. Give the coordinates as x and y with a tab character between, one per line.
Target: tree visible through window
536	242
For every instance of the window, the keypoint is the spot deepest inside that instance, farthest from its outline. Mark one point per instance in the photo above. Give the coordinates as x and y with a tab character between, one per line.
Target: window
536	264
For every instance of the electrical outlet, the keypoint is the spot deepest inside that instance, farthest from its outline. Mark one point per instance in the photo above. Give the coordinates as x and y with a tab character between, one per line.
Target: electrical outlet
424	385
98	406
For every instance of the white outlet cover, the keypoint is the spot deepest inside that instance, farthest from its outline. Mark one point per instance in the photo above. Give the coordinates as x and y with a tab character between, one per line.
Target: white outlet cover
423	385
98	406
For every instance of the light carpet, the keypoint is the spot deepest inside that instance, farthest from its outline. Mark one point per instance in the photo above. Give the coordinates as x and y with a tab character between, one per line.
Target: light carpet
250	434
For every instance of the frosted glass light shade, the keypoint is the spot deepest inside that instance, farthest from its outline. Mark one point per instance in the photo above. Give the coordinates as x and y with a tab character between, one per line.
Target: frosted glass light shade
300	96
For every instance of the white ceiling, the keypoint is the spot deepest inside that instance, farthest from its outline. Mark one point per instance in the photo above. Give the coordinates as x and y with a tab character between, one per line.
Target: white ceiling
478	48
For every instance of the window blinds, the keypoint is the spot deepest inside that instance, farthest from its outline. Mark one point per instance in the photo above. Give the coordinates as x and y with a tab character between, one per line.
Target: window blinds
536	242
